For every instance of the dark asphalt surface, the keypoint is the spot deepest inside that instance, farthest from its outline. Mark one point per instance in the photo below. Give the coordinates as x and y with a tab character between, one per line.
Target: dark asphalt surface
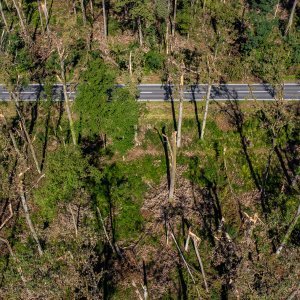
159	92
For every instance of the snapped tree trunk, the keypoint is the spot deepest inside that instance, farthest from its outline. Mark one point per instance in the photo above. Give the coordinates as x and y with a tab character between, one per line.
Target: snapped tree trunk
67	102
3	16
20	15
83	12
180	114
140	31
289	25
130	63
46	14
24	129
167	28
205	111
290	229
40	14
174	17
173	153
104	19
17	262
28	219
195	243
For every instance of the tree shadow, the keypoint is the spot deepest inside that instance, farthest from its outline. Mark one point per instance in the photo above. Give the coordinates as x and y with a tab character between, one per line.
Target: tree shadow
182	291
169	97
46	135
236	117
164	141
194	89
34	109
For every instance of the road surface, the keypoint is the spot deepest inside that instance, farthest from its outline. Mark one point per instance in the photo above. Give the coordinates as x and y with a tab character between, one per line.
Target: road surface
161	92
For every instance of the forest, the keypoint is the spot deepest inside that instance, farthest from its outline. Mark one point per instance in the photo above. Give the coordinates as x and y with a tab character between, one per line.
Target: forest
106	197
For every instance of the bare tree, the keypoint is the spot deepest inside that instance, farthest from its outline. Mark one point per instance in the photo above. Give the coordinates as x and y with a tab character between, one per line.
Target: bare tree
289	231
174	17
46	14
173	154
83	11
28	218
21	16
21	192
15	97
139	22
17	262
62	57
207	99
3	16
167	28
290	22
196	241
180	113
104	18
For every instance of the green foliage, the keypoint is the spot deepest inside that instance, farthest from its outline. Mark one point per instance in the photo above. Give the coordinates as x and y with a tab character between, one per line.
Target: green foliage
103	108
154	60
67	173
116	193
93	96
264	6
121	115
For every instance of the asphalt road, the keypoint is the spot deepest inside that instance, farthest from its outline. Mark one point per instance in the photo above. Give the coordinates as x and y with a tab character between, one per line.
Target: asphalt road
159	92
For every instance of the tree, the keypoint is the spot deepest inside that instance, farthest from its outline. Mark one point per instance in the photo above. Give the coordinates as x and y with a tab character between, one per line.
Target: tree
104	109
289	25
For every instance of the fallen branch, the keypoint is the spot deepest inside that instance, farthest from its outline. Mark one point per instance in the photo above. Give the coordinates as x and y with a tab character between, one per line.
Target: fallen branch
9	217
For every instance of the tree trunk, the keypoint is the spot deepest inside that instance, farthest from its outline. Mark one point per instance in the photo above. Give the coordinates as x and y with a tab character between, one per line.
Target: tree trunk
289	25
140	31
104	19
174	17
20	17
3	16
206	110
17	262
92	9
27	136
40	14
28	219
200	263
83	12
180	114
167	29
291	228
173	154
276	9
67	102
46	14
130	63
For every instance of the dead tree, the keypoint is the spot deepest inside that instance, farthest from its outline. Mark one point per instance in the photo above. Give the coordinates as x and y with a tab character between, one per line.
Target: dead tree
17	262
21	16
83	12
290	22
180	113
196	241
3	16
139	22
15	97
27	216
62	57
173	154
174	17
20	188
289	231
207	99
104	19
